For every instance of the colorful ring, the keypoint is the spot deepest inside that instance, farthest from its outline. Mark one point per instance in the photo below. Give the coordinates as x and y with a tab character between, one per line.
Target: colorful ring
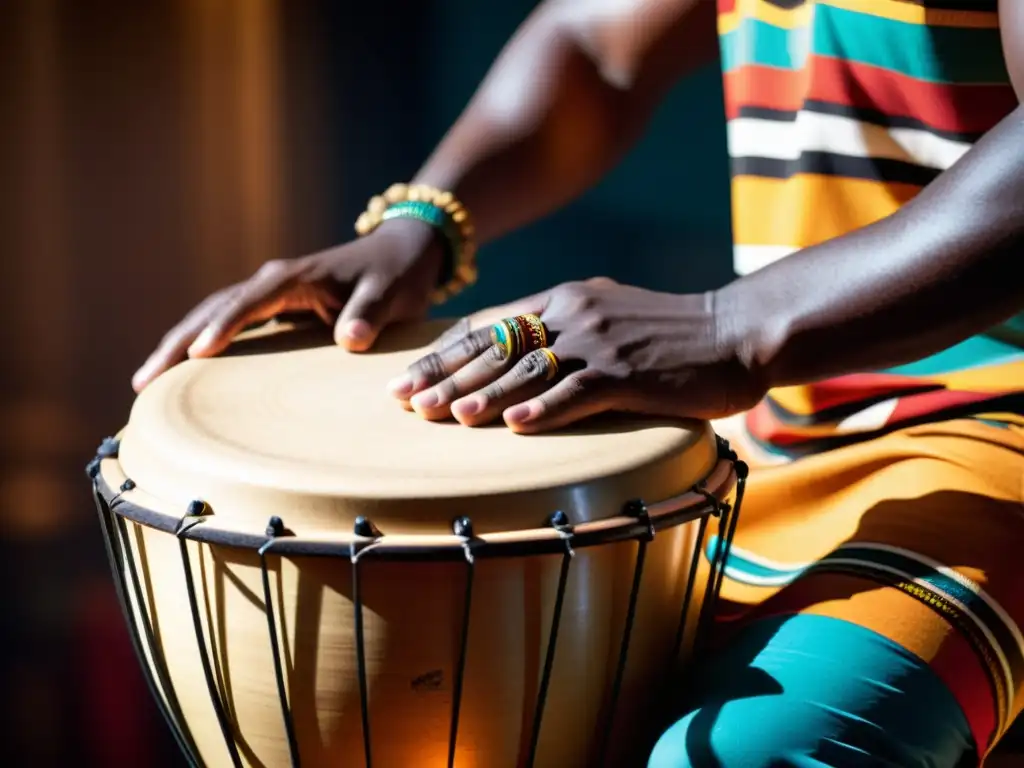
519	335
503	337
552	359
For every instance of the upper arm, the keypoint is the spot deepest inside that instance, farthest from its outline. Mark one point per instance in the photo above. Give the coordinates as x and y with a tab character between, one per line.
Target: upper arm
641	46
1011	23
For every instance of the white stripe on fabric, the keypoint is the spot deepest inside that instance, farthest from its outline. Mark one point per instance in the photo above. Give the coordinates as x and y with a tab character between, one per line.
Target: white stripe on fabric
868	419
815	132
750	258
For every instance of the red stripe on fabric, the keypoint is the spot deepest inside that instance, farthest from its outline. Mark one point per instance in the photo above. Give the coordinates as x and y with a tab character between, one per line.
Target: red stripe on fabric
844	390
946	107
764	426
915	406
961	670
726	6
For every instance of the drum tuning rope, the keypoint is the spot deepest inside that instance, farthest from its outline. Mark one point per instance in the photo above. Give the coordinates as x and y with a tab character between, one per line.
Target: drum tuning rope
728	517
276	529
366	536
638	510
560	522
463	528
194	516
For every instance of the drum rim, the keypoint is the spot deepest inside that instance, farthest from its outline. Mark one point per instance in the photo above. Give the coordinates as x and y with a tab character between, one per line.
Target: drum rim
638	520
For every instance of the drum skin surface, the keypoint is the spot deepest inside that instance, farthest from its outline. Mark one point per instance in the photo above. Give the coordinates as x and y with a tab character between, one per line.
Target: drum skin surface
289	425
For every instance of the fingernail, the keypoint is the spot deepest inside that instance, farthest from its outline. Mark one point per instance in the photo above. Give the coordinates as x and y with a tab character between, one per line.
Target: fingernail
468	406
204	340
426	399
400	385
357	330
519	413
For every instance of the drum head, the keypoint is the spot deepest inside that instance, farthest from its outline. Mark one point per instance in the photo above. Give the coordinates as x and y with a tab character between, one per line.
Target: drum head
288	424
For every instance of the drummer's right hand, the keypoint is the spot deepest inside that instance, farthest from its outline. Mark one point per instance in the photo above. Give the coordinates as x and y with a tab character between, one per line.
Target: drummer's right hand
359	288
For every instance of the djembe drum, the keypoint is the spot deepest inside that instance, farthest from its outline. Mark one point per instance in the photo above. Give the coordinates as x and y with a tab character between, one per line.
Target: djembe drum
313	576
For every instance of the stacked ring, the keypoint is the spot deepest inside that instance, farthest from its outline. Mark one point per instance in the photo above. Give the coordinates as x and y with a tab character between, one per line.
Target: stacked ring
552	358
519	335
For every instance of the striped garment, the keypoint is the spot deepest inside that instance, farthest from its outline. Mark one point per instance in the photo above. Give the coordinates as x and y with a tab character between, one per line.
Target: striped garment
840	111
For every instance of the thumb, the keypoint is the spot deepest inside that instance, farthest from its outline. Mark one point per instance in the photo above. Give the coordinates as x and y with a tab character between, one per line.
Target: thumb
364	314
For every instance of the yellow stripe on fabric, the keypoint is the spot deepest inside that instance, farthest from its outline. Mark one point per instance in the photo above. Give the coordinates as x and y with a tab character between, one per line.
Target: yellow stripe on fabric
795	399
990	378
801	16
783	18
908	13
912	13
808	209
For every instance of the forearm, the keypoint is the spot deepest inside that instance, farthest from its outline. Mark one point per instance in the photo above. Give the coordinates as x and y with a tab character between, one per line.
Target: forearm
561	105
944	267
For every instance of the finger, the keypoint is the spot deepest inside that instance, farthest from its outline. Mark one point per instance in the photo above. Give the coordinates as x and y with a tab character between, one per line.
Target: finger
570	400
175	343
452	334
527	379
364	314
435	402
435	367
254	301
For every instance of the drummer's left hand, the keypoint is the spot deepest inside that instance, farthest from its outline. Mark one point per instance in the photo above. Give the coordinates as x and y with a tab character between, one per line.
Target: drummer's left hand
619	348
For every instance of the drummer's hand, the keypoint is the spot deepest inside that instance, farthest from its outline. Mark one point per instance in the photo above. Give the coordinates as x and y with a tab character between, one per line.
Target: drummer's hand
619	348
358	288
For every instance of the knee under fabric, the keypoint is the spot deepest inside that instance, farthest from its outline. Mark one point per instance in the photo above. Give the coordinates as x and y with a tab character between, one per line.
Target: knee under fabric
806	691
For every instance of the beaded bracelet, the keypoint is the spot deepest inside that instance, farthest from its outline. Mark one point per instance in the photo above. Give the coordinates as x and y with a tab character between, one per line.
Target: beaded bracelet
441	210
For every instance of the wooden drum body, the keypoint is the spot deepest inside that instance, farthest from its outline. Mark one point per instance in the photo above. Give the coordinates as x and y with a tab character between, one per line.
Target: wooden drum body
313	576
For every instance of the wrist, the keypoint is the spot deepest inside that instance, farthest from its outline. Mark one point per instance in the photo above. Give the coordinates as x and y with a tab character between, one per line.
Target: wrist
414	236
749	331
434	210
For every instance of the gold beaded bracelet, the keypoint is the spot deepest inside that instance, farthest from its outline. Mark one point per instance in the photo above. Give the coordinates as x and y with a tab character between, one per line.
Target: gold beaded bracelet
440	209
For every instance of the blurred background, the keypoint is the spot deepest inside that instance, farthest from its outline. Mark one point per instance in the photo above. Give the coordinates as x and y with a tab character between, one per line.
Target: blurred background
151	152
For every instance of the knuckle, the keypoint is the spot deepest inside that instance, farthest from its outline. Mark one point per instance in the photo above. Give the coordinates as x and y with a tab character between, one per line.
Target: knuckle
533	365
452	334
588	382
581	385
601	282
431	367
493	391
273	269
235	305
175	337
474	343
494	357
578	296
374	287
593	322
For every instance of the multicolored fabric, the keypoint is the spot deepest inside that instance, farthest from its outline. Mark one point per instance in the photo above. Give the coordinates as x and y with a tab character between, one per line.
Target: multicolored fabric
839	112
814	692
915	536
885	509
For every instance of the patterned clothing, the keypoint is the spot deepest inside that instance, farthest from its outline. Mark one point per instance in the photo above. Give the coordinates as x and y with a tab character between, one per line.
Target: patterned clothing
839	112
872	601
